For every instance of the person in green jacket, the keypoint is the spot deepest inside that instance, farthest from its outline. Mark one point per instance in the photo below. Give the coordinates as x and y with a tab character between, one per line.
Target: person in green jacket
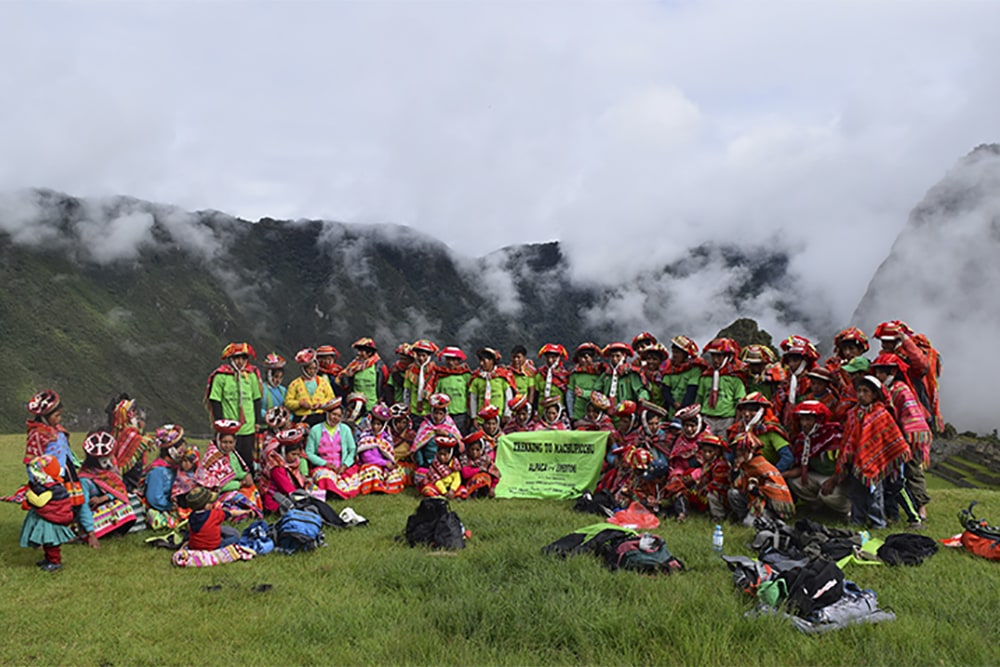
490	384
681	375
583	379
366	374
453	379
620	381
523	371
721	386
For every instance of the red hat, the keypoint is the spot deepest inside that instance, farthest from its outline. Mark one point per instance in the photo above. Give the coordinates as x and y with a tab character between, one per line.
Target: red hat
234	349
550	401
452	351
723	346
489	412
399	410
365	342
657	348
757	353
799	345
290	436
277	416
815	408
274	361
643	337
600	401
618	346
892	329
305	356
440	400
488	352
754	398
518	401
625	408
44	403
648	406
853	335
357	397
404	350
637	458
445	441
226	426
381	412
708	438
821	373
327	351
890	359
475	436
332	404
553	348
692	411
424	345
582	347
686	344
99	444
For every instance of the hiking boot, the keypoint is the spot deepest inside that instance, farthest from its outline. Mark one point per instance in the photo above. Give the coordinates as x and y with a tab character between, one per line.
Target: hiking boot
50	567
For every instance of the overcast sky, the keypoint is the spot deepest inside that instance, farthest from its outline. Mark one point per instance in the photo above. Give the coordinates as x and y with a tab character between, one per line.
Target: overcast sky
656	124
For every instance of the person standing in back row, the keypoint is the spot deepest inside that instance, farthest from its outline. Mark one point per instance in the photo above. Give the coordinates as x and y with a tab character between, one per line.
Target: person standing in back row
234	392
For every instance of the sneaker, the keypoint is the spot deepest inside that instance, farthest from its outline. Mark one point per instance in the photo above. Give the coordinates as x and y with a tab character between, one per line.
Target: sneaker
50	567
352	518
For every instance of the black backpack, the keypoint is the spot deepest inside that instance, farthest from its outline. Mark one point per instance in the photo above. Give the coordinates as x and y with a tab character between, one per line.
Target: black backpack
813	586
434	524
906	549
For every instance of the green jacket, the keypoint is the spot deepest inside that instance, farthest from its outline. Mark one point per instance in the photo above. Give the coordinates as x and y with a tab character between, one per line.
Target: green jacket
630	387
677	384
226	390
576	406
457	387
731	390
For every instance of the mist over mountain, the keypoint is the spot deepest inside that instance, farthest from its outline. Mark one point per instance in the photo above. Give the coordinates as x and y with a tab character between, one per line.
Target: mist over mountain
119	294
942	276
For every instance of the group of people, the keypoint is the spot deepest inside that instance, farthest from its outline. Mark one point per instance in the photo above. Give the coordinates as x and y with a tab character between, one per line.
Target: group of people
731	431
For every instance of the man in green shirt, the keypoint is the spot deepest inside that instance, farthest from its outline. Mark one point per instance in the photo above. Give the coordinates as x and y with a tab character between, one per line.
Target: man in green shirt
366	374
453	380
234	392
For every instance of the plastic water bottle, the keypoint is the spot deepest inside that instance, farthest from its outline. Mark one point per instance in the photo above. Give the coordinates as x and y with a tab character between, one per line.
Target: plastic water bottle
717	539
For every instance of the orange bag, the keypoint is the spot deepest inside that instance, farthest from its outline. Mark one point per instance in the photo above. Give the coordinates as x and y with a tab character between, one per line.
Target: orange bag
636	517
985	547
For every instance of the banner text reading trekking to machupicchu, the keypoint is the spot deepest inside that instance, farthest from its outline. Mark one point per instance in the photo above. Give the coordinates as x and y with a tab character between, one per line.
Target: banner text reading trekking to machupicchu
549	464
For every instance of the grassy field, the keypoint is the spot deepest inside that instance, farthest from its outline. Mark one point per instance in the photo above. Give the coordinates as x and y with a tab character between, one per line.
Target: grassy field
366	599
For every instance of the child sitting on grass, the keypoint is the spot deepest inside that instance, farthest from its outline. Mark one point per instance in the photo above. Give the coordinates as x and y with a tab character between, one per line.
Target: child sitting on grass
205	522
479	472
444	477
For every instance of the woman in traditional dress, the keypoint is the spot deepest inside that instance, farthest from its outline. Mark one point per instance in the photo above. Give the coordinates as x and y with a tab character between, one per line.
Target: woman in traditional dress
478	465
109	499
161	507
274	392
284	470
308	392
377	468
331	452
225	472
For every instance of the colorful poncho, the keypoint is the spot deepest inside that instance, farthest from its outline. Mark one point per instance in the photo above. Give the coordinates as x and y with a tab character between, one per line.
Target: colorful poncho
872	444
764	486
910	419
39	437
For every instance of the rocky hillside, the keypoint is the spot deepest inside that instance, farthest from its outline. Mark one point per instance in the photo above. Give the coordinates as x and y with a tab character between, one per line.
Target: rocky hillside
942	276
118	294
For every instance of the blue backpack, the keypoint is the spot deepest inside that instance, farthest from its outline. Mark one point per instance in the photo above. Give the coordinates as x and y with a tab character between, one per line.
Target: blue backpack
257	536
298	530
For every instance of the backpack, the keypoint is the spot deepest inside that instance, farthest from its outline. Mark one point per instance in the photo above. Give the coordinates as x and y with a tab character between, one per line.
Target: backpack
979	537
646	553
748	575
257	536
813	586
596	503
298	530
906	549
434	524
588	540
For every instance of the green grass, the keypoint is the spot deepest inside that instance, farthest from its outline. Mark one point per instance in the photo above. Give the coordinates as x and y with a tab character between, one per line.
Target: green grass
366	599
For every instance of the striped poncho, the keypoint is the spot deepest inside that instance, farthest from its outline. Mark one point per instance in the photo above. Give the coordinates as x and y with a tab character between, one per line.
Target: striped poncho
872	444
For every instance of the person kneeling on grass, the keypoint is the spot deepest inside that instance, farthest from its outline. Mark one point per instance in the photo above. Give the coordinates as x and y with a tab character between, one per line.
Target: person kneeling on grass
759	490
205	523
109	499
444	477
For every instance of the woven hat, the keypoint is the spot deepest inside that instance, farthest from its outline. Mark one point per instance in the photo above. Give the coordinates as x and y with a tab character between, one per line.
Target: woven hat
424	345
692	411
99	444
381	412
618	347
274	361
305	356
600	401
277	416
553	348
643	337
815	408
226	426
439	400
332	404
234	349
365	343
489	412
686	344
199	497
327	351
586	347
44	403
518	402
452	351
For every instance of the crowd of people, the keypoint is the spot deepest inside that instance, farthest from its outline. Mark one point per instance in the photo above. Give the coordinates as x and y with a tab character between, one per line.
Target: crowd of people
734	432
